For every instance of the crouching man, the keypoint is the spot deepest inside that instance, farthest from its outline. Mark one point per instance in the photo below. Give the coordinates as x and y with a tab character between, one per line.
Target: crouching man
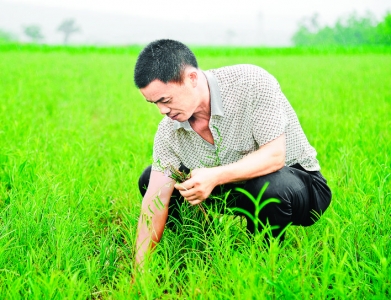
232	127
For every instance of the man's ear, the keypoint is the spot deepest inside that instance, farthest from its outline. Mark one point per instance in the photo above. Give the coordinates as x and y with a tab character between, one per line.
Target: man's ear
193	76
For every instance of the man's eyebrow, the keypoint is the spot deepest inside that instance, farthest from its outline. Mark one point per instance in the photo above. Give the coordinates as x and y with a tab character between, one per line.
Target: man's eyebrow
151	101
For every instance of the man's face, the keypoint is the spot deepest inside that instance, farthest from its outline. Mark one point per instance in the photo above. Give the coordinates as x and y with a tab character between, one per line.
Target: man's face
177	101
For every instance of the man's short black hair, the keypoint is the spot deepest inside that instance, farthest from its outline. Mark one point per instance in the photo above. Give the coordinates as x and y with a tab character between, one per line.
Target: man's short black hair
164	60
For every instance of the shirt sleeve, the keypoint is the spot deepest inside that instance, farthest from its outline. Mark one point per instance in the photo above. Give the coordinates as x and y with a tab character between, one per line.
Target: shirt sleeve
163	154
269	116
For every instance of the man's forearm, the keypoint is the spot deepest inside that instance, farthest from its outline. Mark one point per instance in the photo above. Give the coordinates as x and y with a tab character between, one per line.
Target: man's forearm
268	159
153	216
150	231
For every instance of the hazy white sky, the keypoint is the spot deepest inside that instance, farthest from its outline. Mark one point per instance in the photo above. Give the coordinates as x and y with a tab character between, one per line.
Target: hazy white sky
203	10
240	22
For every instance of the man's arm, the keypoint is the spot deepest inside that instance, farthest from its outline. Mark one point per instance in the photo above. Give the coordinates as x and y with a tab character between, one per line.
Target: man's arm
153	216
267	159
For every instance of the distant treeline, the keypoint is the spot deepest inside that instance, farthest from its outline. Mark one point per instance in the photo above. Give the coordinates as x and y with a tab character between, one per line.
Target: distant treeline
6	37
351	31
34	33
201	51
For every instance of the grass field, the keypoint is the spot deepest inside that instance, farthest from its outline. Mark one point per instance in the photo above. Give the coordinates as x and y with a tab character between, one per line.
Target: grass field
75	135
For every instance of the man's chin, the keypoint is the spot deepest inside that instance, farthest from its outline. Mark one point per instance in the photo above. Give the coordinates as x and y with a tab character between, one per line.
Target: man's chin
179	118
175	117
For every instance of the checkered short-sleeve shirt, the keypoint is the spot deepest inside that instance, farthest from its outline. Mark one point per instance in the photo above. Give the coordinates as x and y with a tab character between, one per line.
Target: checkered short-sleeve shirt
248	110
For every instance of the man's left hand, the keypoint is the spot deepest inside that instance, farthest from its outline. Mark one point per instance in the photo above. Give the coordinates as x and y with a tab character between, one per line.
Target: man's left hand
199	186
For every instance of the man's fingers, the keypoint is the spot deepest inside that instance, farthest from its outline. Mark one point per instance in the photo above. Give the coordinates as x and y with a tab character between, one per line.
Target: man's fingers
188	183
182	186
186	193
192	198
195	202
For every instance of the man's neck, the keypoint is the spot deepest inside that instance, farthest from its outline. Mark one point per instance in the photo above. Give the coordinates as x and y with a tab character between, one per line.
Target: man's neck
203	111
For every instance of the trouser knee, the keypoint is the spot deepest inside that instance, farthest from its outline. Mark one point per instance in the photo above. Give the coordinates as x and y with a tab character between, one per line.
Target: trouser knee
143	181
272	186
278	211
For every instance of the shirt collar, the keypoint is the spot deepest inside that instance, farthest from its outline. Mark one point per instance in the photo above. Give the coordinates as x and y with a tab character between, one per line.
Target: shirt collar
216	104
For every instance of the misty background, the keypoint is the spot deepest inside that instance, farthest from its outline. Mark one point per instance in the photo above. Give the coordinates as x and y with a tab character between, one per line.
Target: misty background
120	22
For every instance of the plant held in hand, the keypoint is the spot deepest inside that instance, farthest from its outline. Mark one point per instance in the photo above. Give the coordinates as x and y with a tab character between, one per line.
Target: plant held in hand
180	177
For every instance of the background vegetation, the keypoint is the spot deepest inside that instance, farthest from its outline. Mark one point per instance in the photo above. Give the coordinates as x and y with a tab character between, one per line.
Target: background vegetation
75	135
354	30
6	37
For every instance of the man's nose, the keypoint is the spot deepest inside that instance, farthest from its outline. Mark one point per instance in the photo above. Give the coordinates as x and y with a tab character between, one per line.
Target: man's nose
163	109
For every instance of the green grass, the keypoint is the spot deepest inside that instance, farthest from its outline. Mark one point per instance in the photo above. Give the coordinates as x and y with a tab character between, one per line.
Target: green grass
75	135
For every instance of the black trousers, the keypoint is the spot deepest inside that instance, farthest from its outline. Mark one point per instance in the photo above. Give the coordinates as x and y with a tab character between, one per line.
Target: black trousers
303	195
